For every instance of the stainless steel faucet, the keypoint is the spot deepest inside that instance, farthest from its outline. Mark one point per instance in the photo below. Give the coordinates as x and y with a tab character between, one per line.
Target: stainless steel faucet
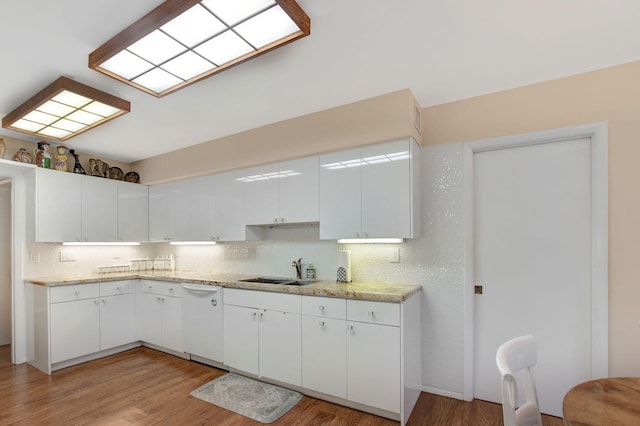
298	265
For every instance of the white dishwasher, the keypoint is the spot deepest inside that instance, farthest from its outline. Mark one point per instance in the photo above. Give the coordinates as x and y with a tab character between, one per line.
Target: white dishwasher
202	322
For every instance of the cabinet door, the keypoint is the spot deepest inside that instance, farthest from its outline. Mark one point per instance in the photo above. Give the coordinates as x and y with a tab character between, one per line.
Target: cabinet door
158	213
280	346
202	204
241	338
178	211
117	320
133	212
299	190
171	323
99	209
75	329
229	207
261	192
149	318
324	355
386	190
340	192
373	365
58	206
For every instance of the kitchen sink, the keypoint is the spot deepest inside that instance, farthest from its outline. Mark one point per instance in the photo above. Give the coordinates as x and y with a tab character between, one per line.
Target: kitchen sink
277	281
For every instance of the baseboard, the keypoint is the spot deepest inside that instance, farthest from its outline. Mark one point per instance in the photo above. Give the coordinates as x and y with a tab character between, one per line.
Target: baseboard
442	392
93	356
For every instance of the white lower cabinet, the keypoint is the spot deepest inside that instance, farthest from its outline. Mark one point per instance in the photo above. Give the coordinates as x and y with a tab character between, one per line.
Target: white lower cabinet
75	329
351	350
262	334
89	318
280	346
324	354
373	365
160	314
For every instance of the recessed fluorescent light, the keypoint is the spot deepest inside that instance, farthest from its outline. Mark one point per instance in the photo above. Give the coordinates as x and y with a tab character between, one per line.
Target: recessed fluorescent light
183	41
371	241
65	109
192	243
97	243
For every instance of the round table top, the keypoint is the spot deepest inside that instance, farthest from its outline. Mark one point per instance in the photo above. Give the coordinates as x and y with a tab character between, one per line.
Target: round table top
610	401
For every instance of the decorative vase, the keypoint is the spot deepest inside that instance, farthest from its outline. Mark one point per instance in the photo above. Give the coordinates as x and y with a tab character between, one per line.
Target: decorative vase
77	167
23	156
60	162
3	148
43	158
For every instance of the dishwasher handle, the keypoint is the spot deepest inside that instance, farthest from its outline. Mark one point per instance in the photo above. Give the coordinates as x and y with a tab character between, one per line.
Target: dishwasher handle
200	288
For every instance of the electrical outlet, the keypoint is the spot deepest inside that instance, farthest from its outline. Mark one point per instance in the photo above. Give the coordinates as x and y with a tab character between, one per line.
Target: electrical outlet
67	256
394	255
34	257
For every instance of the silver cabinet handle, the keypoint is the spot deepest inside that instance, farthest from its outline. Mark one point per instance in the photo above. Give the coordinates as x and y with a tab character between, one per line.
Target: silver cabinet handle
95	301
370	313
350	328
214	302
321	323
254	314
118	289
77	292
321	308
104	301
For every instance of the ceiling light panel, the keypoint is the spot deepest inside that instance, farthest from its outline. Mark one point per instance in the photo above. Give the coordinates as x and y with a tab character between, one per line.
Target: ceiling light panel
234	11
64	109
183	41
194	26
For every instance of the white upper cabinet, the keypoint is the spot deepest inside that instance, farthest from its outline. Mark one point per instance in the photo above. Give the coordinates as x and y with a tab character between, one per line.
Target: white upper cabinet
58	206
72	207
299	190
202	203
169	211
340	194
99	209
285	192
133	212
370	192
229	207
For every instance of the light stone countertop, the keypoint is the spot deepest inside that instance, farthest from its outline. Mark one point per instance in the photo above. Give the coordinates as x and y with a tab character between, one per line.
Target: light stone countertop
381	292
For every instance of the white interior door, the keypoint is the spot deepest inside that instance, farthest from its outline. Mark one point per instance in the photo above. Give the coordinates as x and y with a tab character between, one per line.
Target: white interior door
533	259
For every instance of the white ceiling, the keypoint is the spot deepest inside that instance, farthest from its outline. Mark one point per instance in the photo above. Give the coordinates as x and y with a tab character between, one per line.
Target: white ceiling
441	50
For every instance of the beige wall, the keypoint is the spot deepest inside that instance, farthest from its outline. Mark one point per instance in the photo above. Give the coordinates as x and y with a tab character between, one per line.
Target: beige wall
377	119
611	95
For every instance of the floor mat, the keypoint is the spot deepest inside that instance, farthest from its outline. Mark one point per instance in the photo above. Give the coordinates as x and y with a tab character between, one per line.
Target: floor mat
251	398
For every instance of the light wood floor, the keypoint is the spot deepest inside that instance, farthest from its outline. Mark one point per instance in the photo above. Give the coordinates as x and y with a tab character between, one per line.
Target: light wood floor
147	387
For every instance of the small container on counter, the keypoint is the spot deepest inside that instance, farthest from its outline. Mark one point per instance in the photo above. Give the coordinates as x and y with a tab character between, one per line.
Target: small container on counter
311	271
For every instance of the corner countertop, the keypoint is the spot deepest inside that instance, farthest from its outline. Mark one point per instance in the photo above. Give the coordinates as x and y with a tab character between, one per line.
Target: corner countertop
381	292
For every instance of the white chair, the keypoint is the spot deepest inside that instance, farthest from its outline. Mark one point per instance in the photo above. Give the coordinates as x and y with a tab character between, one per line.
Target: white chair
518	356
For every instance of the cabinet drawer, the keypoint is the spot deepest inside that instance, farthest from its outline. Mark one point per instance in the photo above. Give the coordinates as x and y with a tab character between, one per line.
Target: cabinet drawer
162	288
114	288
263	300
324	307
373	312
74	292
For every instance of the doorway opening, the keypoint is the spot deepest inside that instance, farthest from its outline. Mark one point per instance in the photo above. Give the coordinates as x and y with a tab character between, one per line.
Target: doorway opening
5	268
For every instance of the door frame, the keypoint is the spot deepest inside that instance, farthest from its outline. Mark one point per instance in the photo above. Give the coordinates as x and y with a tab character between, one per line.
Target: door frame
598	133
22	230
